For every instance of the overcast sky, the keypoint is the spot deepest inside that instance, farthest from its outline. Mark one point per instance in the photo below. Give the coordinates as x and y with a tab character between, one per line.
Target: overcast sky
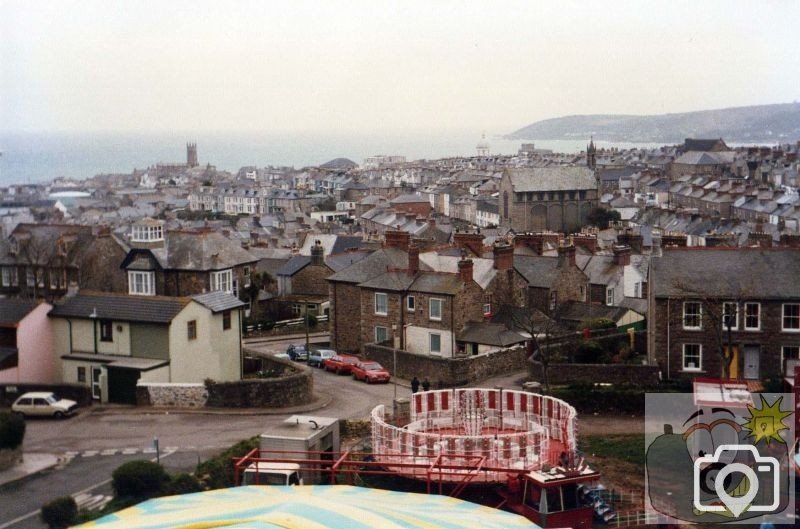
376	65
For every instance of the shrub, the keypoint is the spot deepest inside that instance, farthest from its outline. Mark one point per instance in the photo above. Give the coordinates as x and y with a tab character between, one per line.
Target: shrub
182	484
61	512
12	430
311	320
217	472
139	479
589	352
587	398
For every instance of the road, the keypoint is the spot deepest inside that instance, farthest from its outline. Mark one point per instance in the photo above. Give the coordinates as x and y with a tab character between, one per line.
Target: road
94	442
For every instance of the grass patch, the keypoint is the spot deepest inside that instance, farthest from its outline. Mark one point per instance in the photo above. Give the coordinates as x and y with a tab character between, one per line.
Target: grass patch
623	447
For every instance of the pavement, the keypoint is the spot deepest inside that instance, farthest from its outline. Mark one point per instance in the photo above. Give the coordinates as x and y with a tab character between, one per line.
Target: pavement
32	463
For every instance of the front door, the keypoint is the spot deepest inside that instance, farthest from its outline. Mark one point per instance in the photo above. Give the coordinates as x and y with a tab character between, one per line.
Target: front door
751	361
96	389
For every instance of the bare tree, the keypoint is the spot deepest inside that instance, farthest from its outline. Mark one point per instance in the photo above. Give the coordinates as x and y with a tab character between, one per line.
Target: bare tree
719	314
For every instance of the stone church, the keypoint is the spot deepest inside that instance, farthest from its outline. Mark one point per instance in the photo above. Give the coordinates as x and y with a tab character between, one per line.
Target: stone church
547	198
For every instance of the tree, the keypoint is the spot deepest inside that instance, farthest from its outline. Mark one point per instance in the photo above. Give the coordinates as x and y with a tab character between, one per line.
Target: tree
718	314
602	217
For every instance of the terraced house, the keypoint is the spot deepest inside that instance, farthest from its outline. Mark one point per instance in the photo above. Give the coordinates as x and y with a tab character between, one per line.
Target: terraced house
743	302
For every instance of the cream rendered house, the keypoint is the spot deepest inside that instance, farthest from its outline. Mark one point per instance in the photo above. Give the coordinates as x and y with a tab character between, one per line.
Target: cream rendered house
110	342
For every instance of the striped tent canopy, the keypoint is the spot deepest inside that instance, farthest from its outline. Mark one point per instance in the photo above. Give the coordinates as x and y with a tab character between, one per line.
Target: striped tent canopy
310	507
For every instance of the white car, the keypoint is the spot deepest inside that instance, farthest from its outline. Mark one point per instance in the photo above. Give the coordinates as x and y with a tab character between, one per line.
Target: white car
45	404
317	357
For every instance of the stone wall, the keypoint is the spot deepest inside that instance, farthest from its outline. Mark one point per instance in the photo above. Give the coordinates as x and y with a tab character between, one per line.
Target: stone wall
172	395
345	329
294	386
564	374
448	372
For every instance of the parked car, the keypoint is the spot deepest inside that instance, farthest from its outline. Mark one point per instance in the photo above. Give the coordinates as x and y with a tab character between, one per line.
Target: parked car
44	404
370	372
341	364
297	352
318	356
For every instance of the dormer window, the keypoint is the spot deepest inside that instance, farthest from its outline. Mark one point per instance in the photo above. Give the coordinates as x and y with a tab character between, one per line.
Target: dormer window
147	232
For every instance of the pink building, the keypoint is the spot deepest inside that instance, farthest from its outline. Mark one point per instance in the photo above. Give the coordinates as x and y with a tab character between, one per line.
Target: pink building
26	343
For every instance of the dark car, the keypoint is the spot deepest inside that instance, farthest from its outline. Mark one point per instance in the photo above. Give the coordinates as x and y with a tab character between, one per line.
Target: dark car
297	352
341	364
370	372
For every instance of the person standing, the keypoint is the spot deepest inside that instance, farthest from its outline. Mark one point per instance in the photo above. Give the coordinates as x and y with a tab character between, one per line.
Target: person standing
426	385
414	385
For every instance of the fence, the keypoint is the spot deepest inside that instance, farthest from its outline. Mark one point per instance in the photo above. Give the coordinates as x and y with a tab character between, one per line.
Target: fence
278	326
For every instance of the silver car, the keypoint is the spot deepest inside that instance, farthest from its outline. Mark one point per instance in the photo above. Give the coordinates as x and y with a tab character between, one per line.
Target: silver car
318	356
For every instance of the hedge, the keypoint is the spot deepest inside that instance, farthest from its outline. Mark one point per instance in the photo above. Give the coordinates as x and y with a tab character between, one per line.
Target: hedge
139	479
59	513
217	472
12	430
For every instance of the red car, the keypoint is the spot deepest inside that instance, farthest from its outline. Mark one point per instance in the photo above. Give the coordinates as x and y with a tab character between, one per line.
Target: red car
370	372
340	364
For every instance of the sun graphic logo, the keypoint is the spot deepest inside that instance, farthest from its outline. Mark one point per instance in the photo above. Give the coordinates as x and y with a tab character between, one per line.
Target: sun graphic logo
766	423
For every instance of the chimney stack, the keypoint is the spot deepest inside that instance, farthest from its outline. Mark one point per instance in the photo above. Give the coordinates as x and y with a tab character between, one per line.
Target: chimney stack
469	241
465	270
760	239
587	241
397	239
503	256
317	254
413	259
622	255
566	256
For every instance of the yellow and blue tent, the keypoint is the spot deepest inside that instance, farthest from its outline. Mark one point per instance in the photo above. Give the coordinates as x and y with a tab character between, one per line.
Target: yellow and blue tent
310	507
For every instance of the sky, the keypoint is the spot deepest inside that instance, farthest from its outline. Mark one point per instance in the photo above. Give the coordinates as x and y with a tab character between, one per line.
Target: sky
430	65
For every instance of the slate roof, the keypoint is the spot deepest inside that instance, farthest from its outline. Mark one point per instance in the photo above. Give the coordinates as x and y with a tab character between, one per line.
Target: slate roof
294	265
698	158
731	273
218	301
489	334
198	251
558	178
409	199
369	267
437	283
12	311
121	307
483	270
538	271
576	312
702	144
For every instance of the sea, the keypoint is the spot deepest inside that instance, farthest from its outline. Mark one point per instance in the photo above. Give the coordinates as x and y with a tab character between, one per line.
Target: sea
33	157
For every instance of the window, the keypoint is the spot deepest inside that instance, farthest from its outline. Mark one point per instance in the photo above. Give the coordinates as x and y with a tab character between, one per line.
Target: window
435	309
81	374
553	301
30	277
791	317
9	277
789	352
692	357
583	293
246	276
436	343
637	290
609	296
487	309
730	314
381	335
106	331
142	283
411	304
191	330
222	281
752	316
58	278
381	303
692	315
143	233
226	320
297	309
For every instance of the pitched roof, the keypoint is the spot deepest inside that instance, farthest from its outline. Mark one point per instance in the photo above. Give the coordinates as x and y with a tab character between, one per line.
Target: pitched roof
377	263
123	307
205	250
698	158
218	301
727	273
557	178
489	334
12	311
538	271
294	265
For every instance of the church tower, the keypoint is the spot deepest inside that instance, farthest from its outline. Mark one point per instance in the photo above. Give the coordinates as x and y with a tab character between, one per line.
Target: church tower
483	146
591	155
191	155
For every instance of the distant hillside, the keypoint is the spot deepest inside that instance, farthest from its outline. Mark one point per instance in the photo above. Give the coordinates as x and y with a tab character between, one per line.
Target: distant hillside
763	123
